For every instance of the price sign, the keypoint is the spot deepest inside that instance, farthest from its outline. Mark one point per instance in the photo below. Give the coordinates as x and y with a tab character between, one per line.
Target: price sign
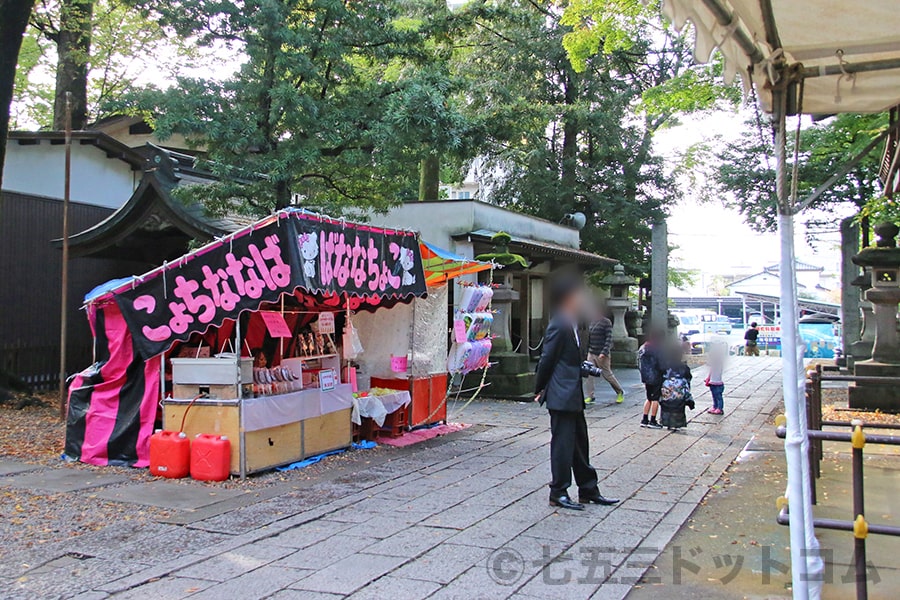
326	323
399	364
327	380
276	324
459	330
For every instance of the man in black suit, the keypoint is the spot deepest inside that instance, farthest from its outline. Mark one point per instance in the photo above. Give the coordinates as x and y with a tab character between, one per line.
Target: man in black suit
558	386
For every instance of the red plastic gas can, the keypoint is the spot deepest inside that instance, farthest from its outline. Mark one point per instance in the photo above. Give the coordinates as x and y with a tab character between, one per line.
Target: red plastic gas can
170	454
210	457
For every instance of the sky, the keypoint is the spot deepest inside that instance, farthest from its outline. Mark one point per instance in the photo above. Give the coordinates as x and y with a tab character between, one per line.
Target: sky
715	240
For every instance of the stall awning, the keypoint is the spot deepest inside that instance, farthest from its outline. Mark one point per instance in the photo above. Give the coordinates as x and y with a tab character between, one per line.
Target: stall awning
441	265
293	251
849	52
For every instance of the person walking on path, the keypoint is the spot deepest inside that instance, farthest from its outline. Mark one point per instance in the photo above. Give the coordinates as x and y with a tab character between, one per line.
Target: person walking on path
751	348
714	380
652	365
558	385
599	349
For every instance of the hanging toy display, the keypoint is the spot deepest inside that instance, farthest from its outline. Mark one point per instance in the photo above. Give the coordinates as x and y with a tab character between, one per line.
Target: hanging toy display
472	322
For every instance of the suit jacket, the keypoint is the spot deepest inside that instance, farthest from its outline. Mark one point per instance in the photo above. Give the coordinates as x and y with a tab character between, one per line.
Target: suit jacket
559	370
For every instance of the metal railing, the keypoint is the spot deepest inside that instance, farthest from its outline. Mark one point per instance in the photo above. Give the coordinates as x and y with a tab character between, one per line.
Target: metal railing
859	526
815	421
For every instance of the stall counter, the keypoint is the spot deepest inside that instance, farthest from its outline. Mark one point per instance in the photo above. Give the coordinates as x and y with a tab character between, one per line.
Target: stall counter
277	430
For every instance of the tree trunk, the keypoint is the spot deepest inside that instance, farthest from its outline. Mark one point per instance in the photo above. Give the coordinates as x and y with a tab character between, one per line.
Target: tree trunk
73	62
13	22
569	175
429	177
282	195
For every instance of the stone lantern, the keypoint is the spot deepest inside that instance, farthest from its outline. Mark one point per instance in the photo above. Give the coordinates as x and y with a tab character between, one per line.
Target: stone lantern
861	349
624	350
882	262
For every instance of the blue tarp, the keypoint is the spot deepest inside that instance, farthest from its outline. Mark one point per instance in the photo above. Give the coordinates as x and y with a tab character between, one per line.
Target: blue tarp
363	445
105	288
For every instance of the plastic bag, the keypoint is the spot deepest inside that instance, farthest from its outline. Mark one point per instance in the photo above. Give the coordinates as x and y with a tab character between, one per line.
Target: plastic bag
352	344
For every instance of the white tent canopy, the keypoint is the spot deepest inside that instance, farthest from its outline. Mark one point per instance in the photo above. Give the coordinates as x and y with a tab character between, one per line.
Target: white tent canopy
850	51
844	57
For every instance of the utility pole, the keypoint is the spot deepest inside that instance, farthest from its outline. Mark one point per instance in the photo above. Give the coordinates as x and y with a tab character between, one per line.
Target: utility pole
63	293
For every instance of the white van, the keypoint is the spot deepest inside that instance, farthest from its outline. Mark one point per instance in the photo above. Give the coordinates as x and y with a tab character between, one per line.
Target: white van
701	321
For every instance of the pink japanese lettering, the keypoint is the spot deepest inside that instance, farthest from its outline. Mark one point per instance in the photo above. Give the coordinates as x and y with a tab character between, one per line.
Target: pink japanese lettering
156	334
180	320
280	271
201	303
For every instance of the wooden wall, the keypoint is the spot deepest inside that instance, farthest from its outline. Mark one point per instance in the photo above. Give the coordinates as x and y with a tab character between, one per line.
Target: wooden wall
30	284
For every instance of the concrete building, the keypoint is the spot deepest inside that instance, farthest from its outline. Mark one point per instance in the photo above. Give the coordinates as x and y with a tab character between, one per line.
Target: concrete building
136	133
466	227
813	282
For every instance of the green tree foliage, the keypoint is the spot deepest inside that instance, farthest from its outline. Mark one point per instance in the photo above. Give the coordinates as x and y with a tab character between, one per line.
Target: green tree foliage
635	27
125	48
13	22
742	173
603	26
561	133
332	107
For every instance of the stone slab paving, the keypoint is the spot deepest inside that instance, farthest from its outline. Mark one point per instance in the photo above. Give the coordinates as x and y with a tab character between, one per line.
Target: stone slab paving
11	467
62	480
464	516
167	495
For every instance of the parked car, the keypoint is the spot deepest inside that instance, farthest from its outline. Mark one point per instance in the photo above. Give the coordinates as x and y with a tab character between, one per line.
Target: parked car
692	322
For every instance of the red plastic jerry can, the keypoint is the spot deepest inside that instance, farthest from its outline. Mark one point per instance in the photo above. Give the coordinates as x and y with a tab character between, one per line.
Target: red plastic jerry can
170	454
210	457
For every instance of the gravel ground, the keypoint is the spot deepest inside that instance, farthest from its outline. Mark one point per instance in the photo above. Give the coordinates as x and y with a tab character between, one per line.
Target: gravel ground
29	519
33	434
834	408
37	435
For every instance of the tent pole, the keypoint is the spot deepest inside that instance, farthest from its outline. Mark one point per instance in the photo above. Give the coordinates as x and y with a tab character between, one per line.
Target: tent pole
806	565
242	438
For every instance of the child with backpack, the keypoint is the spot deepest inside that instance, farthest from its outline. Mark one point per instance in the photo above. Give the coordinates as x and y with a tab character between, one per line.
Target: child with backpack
651	363
675	393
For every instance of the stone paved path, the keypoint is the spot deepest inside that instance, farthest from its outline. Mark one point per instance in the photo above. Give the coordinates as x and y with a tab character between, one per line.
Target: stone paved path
464	516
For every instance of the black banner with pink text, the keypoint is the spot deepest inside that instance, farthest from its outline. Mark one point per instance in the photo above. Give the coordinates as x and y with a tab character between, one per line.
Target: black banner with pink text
259	265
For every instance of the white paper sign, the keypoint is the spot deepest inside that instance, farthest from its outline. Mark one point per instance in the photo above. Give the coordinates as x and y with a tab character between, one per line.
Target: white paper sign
326	323
327	380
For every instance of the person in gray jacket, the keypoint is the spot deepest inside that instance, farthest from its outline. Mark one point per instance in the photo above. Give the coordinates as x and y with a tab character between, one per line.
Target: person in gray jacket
599	349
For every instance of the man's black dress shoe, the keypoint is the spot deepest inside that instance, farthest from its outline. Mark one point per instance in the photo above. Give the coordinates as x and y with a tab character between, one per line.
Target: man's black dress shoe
598	499
566	502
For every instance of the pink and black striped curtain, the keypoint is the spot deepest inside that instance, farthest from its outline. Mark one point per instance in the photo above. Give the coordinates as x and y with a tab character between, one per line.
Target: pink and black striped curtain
112	403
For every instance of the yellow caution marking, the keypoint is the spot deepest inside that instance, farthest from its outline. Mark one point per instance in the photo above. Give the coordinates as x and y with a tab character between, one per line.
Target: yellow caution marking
860	528
858	438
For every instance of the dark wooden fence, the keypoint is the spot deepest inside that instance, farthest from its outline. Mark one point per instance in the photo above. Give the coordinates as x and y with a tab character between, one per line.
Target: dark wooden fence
30	276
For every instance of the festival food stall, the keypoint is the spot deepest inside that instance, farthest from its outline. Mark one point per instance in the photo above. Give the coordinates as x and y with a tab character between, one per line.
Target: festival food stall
238	338
409	344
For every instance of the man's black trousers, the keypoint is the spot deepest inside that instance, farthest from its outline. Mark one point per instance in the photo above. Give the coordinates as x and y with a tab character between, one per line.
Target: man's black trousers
569	453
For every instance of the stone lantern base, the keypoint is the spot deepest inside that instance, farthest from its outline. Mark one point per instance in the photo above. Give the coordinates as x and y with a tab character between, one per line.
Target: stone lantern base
511	378
624	352
873	396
